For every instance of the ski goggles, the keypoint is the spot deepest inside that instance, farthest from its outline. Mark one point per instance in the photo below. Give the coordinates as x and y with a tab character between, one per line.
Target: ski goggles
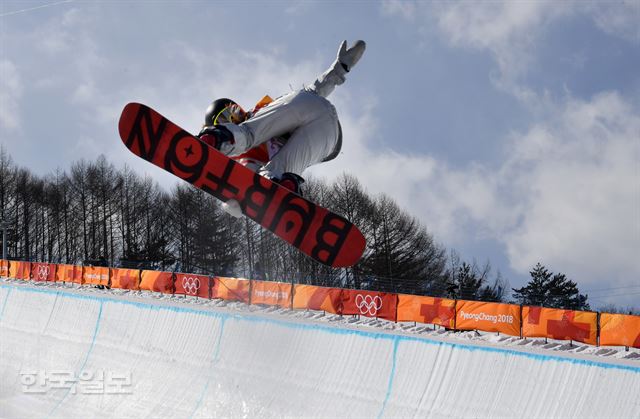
230	114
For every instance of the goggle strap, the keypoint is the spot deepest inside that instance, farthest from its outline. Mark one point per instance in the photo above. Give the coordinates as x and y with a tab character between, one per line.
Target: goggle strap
215	120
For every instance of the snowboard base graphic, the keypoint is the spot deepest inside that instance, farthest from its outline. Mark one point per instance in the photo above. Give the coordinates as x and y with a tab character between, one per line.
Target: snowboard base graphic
317	232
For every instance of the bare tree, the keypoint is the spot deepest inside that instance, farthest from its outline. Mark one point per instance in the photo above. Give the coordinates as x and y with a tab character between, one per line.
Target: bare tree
403	256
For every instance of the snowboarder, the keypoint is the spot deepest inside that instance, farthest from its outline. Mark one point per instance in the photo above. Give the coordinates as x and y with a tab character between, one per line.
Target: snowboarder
280	138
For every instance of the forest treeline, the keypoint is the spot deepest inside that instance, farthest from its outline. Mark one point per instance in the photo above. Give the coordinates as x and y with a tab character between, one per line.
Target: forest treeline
98	214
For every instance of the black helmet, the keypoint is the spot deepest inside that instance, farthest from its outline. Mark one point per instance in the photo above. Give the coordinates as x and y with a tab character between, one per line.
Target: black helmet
216	112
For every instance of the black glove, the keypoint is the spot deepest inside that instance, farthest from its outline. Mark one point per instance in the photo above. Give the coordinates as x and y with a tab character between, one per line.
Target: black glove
208	129
216	136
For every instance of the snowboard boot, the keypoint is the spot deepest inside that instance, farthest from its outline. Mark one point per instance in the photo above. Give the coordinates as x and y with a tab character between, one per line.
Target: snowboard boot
218	137
288	180
291	181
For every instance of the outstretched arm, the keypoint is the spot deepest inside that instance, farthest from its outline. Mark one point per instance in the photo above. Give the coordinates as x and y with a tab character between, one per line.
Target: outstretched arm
335	74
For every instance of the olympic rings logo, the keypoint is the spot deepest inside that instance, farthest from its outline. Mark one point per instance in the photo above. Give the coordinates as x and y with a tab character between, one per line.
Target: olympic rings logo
43	272
191	285
368	304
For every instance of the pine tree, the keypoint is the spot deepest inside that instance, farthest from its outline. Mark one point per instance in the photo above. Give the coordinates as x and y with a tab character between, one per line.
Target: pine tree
536	292
550	290
565	294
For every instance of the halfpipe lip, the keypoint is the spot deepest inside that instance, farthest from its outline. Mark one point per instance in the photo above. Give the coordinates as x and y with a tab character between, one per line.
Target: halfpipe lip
311	324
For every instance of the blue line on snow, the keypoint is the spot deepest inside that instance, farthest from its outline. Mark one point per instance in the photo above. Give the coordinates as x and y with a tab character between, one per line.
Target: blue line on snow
93	340
6	299
392	375
214	361
86	358
330	329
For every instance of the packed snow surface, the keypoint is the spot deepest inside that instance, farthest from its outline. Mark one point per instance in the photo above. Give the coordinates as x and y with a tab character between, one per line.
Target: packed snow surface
128	354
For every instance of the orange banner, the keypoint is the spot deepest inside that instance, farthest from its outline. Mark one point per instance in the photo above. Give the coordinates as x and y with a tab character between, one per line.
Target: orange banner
559	324
69	273
4	268
317	298
19	270
271	293
619	330
488	317
13	269
95	275
192	284
231	289
370	304
157	281
128	279
43	271
413	308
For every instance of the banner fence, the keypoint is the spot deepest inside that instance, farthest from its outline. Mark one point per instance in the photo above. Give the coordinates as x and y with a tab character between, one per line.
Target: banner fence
603	329
489	317
429	310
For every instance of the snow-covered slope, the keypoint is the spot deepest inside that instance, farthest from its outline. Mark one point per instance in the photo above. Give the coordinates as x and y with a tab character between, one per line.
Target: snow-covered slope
204	359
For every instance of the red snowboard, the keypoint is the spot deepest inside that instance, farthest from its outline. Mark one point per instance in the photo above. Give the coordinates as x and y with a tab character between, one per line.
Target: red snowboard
316	231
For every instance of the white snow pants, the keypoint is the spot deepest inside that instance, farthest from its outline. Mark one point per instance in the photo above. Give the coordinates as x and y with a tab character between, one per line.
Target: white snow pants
311	120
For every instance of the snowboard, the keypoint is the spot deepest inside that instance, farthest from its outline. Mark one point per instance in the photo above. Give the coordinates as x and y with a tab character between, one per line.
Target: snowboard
317	232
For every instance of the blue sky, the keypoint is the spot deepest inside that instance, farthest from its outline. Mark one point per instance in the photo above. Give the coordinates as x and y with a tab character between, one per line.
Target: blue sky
510	129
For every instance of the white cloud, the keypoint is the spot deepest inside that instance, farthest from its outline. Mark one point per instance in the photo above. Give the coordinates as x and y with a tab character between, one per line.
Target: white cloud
10	94
299	7
621	18
580	185
567	193
84	93
68	41
60	35
508	30
406	9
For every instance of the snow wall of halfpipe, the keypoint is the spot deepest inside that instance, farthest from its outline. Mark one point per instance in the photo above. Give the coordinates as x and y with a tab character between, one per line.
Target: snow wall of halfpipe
80	354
